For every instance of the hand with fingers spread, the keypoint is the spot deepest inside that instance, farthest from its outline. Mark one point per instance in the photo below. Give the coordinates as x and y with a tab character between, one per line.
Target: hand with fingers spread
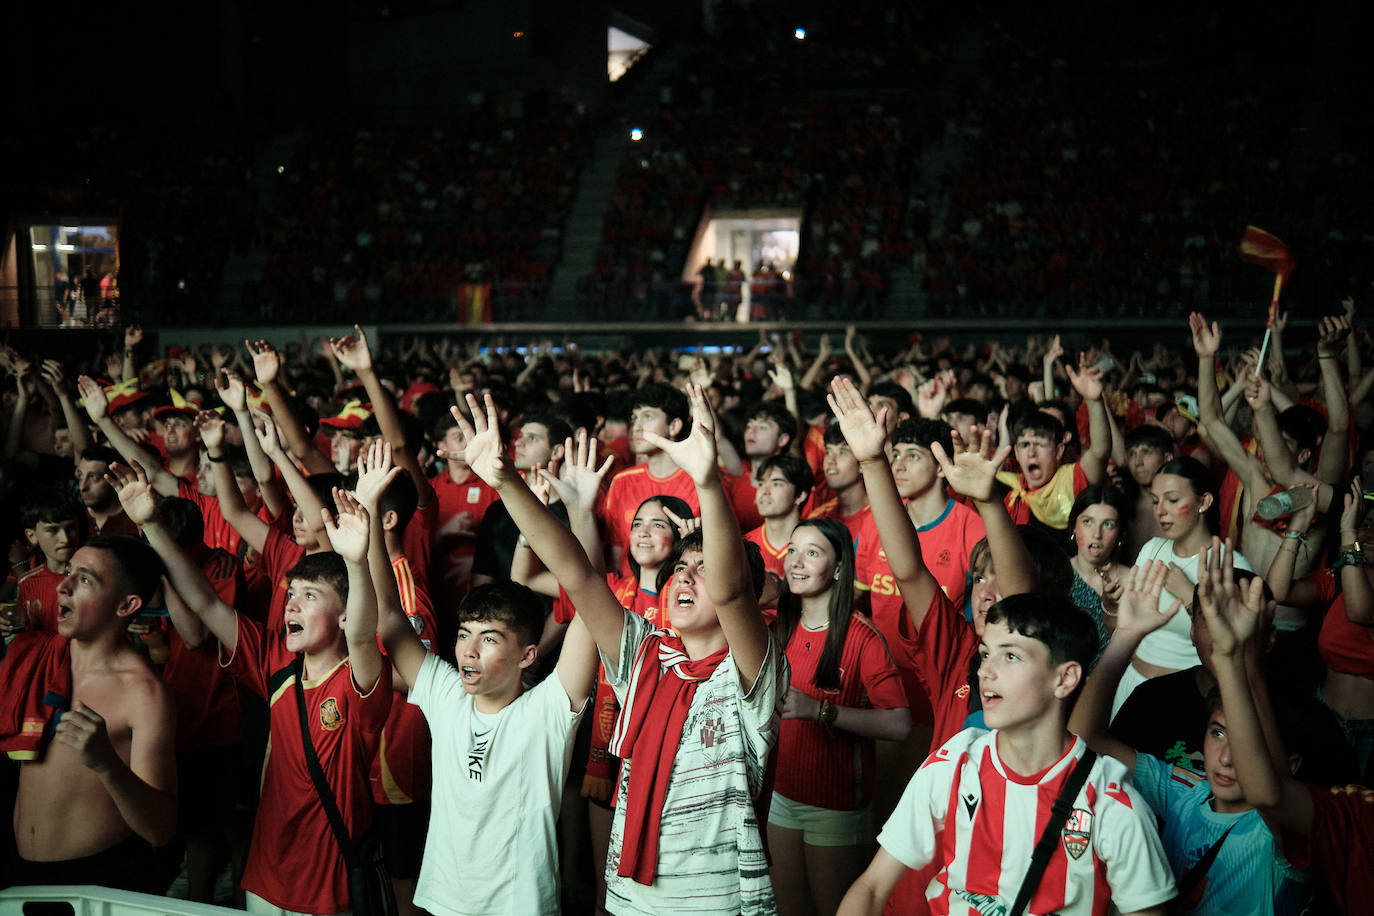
93	397
579	484
1137	609
83	730
1054	351
697	453
865	433
1331	333
114	366
485	453
352	351
219	358
538	479
231	390
135	492
348	529
210	425
52	373
972	469
780	374
1087	381
1234	613
1206	338
266	360
375	474
932	396
133	336
684	526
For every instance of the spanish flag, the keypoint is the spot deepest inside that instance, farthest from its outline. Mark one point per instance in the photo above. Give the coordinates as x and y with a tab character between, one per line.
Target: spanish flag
1260	247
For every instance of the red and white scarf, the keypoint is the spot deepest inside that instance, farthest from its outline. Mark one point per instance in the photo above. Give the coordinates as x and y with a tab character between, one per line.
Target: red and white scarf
662	684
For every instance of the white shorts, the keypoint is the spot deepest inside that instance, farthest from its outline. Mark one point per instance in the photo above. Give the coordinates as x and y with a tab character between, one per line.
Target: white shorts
822	826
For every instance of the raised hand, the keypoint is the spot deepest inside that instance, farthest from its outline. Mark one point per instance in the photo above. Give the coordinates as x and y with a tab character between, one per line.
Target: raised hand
52	373
352	351
1233	613
697	453
1054	351
135	493
266	360
484	453
266	431
1256	390
1302	519
865	433
375	474
348	530
779	374
824	350
114	366
1206	338
932	396
133	336
1331	334
580	481
210	425
93	398
220	358
1353	512
972	469
684	526
1137	608
1087	381
231	390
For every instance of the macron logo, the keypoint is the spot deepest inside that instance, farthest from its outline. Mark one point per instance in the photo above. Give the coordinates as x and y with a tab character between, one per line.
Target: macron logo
970	804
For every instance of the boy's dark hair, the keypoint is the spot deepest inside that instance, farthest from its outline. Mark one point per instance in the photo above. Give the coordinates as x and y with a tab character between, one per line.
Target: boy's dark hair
1051	563
811	404
894	392
982	378
442	424
777	411
558	429
322	485
402	497
327	568
510	603
835	436
102	453
137	566
1038	423
797	472
183	521
666	398
1305	425
1064	628
966	406
237	457
51	506
582	410
757	571
1148	434
1019	372
923	432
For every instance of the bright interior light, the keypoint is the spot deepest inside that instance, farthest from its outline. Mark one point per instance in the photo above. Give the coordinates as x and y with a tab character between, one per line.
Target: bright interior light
70	230
40	247
65	247
636	134
799	34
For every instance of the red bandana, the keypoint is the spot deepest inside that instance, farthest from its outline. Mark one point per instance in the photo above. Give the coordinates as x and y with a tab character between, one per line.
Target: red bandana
662	684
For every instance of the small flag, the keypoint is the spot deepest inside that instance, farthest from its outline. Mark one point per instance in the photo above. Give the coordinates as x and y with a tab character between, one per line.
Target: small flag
1266	250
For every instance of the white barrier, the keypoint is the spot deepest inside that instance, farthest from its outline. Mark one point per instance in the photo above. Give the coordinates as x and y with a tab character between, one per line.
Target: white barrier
90	900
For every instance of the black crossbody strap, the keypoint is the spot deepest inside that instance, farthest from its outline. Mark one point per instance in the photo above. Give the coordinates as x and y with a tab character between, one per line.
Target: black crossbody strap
1040	858
312	763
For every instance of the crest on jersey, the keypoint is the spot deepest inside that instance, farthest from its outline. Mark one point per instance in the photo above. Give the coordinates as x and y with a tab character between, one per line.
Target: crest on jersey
330	717
1077	830
474	495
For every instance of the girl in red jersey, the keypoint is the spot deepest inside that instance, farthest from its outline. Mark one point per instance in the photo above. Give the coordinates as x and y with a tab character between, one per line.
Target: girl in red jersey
845	693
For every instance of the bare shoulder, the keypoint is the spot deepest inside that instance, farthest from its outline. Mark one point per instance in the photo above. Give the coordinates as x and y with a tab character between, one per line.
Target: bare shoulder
144	694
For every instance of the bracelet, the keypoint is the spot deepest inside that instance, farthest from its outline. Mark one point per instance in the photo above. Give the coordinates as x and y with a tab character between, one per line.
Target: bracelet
522	541
1333	356
1348	558
1298	536
215	460
828	712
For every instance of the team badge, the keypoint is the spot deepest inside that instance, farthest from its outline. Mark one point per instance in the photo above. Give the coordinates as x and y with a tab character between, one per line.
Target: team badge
330	717
474	495
1077	831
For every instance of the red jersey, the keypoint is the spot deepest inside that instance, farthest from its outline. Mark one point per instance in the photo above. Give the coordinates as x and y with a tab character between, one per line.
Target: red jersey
118	523
401	770
280	553
773	556
37	597
813	452
417	542
461	507
1344	646
293	860
218	532
1340	848
740	491
825	767
207	705
631	487
940	653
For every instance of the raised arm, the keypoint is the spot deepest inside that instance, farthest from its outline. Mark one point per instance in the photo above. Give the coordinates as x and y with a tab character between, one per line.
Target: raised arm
348	532
139	500
1087	381
861	372
1052	354
231	505
1137	615
555	545
133	336
310	504
188	625
97	408
1280	576
52	373
232	392
267	367
1331	462
867	436
813	372
1359	595
403	645
1211	426
354	353
728	580
972	471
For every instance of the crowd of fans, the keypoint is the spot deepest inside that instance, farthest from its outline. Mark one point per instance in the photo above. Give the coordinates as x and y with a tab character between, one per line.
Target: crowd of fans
795	560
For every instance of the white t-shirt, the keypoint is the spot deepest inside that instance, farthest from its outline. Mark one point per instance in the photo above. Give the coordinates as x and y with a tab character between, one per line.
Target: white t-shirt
1107	846
498	780
1171	646
710	849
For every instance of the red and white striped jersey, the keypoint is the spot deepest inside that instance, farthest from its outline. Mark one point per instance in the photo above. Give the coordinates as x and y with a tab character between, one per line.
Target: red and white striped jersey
979	821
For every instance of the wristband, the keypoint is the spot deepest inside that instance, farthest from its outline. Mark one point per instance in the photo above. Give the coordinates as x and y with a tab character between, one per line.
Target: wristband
1298	536
215	460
